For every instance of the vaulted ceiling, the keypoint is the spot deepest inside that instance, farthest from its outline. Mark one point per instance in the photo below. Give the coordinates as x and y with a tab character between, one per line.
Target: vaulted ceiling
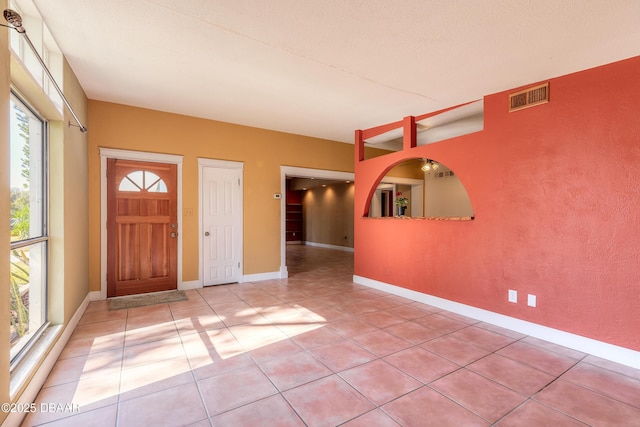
324	68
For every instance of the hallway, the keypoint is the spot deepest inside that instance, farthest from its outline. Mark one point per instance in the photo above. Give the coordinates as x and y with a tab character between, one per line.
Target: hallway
318	350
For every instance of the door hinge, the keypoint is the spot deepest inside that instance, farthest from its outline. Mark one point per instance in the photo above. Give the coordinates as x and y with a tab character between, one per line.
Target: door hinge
238	264
238	182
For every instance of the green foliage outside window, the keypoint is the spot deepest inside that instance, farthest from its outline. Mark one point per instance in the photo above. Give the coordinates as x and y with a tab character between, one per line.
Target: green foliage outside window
20	224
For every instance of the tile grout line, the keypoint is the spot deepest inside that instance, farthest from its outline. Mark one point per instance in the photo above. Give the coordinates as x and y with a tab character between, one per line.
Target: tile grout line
193	376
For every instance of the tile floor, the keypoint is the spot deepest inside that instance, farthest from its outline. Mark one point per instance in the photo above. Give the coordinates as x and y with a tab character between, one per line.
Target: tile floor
319	350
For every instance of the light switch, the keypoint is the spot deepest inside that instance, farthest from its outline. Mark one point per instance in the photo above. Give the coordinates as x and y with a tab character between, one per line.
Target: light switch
531	300
513	296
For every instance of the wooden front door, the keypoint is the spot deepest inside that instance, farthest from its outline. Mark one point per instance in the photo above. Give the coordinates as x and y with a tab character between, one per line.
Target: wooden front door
142	227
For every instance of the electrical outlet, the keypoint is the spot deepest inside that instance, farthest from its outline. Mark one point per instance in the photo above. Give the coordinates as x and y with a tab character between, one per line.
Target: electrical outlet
513	296
531	300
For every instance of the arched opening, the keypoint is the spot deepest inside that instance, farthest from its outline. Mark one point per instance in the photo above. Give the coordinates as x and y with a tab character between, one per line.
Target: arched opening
419	188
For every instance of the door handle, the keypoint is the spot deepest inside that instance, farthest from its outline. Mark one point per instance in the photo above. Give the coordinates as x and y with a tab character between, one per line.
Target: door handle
206	233
173	234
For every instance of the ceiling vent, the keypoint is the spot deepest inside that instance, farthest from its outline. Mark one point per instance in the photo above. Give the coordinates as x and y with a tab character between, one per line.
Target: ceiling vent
529	97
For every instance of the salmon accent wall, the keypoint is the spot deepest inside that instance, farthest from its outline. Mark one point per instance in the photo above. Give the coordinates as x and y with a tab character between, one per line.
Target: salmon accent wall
557	211
262	151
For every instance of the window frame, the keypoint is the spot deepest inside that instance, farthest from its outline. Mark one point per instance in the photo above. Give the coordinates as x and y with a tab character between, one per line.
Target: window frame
44	236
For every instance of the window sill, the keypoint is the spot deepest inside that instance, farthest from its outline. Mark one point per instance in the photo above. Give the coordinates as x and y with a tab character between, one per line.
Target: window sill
425	218
32	361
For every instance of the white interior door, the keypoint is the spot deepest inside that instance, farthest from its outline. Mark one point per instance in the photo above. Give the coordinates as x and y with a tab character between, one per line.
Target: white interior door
221	224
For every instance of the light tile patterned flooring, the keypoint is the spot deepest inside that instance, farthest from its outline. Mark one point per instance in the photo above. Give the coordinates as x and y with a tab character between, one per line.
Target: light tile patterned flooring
319	350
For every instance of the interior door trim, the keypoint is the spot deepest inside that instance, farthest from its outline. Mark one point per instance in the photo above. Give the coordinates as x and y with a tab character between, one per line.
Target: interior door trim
220	164
113	153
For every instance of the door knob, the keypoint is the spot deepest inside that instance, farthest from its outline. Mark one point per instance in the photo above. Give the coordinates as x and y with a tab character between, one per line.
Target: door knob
206	233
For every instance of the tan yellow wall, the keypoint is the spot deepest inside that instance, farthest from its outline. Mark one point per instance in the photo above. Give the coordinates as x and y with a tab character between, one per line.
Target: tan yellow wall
4	214
76	199
328	215
68	207
408	169
262	151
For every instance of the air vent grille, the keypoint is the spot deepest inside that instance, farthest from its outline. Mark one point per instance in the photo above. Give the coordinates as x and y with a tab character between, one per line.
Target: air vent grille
529	97
443	174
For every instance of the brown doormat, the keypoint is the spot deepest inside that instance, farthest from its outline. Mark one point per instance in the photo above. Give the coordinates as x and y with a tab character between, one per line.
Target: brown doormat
133	301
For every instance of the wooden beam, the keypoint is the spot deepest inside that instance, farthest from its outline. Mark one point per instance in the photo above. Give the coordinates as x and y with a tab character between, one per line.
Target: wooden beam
379	130
409	134
359	143
444	110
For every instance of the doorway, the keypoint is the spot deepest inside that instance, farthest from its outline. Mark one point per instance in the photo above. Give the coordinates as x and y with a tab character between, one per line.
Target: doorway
113	153
290	171
142	227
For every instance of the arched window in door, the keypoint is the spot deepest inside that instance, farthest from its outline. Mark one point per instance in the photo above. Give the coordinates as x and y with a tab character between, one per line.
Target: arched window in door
141	180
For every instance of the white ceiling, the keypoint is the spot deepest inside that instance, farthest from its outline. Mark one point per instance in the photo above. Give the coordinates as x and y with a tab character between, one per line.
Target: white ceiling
327	67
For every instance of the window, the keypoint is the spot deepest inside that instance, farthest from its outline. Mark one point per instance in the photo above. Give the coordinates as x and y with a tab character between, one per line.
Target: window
44	43
28	222
143	181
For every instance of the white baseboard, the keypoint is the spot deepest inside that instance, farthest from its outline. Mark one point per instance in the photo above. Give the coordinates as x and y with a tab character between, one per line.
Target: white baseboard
42	372
325	245
261	276
191	284
600	349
